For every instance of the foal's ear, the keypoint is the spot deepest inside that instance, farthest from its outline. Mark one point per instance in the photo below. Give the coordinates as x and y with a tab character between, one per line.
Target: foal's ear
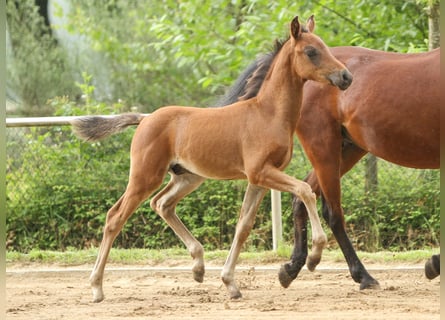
295	28
310	23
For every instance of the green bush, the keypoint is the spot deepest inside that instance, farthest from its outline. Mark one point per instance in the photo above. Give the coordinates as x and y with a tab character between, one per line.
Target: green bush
59	190
64	188
403	213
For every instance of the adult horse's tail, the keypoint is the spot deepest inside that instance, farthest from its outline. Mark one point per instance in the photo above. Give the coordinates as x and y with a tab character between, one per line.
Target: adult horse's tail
94	128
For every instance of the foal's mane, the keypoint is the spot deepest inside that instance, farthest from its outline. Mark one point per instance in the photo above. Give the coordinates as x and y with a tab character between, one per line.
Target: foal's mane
254	82
249	82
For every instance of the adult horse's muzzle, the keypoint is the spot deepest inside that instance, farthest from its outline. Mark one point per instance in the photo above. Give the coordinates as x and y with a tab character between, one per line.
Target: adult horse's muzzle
341	79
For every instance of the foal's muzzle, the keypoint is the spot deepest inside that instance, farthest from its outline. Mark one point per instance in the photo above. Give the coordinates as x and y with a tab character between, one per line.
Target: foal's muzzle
341	79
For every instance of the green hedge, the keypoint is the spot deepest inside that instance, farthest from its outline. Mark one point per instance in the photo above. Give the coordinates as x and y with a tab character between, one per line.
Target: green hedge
59	190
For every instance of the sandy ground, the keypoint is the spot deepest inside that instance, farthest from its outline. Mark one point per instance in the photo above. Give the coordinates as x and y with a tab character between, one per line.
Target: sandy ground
133	292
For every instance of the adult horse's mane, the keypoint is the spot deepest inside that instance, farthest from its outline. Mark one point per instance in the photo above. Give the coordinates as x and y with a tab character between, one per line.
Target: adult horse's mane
249	82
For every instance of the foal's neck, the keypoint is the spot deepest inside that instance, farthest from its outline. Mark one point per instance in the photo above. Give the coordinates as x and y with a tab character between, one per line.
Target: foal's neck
282	90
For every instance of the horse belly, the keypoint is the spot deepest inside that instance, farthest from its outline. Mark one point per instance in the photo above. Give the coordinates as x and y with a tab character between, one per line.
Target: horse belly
405	144
212	156
212	168
396	119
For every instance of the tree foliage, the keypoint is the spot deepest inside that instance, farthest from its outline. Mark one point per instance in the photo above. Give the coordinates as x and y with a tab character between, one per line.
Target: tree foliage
36	67
187	52
204	45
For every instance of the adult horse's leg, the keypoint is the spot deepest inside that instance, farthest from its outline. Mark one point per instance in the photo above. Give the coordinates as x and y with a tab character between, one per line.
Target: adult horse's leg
333	213
330	181
357	270
432	267
164	203
290	271
251	202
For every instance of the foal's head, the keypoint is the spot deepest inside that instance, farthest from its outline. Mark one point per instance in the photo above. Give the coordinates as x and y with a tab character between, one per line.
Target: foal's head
312	59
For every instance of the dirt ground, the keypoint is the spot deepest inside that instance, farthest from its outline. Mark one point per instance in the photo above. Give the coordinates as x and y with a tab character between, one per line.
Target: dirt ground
138	292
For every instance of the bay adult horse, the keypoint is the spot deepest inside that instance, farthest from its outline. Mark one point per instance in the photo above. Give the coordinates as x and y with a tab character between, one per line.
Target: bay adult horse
392	110
250	139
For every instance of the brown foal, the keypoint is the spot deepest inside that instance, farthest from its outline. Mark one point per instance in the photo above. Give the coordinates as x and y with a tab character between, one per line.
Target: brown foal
250	139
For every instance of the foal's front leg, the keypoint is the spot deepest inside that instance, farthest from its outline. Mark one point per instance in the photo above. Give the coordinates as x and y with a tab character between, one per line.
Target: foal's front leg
251	202
273	178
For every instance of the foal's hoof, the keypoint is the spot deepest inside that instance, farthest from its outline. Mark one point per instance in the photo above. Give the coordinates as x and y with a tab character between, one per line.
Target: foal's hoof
312	262
198	276
236	296
431	270
198	272
284	277
98	296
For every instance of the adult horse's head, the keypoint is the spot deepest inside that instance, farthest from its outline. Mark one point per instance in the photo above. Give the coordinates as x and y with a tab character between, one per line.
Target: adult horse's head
313	59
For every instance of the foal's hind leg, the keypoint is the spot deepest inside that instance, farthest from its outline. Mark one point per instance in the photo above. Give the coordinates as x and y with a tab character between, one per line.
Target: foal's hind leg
164	204
137	191
251	202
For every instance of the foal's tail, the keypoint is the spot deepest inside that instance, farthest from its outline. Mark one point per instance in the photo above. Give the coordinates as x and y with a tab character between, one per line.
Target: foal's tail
94	128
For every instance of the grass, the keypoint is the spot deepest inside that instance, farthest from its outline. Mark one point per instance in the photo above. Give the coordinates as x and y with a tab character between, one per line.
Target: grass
73	257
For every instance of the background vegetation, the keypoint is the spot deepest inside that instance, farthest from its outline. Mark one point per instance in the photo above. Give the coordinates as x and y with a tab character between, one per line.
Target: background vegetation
170	52
155	53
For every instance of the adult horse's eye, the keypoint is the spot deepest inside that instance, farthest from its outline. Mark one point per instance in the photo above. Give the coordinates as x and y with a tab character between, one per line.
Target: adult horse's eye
311	52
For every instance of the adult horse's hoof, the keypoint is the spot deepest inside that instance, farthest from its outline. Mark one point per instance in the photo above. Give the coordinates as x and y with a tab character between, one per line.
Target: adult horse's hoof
432	267
284	277
370	284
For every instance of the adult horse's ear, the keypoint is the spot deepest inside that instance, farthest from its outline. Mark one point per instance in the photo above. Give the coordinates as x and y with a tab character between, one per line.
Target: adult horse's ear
295	28
310	24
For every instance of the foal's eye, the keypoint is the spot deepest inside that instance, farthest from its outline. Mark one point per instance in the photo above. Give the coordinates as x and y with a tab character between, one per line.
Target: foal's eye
311	52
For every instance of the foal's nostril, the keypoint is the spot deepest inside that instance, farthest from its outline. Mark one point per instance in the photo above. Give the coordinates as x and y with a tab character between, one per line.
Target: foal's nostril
346	78
341	79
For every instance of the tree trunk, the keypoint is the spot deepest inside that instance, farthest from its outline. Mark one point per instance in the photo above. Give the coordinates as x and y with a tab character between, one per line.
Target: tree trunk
433	24
371	179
